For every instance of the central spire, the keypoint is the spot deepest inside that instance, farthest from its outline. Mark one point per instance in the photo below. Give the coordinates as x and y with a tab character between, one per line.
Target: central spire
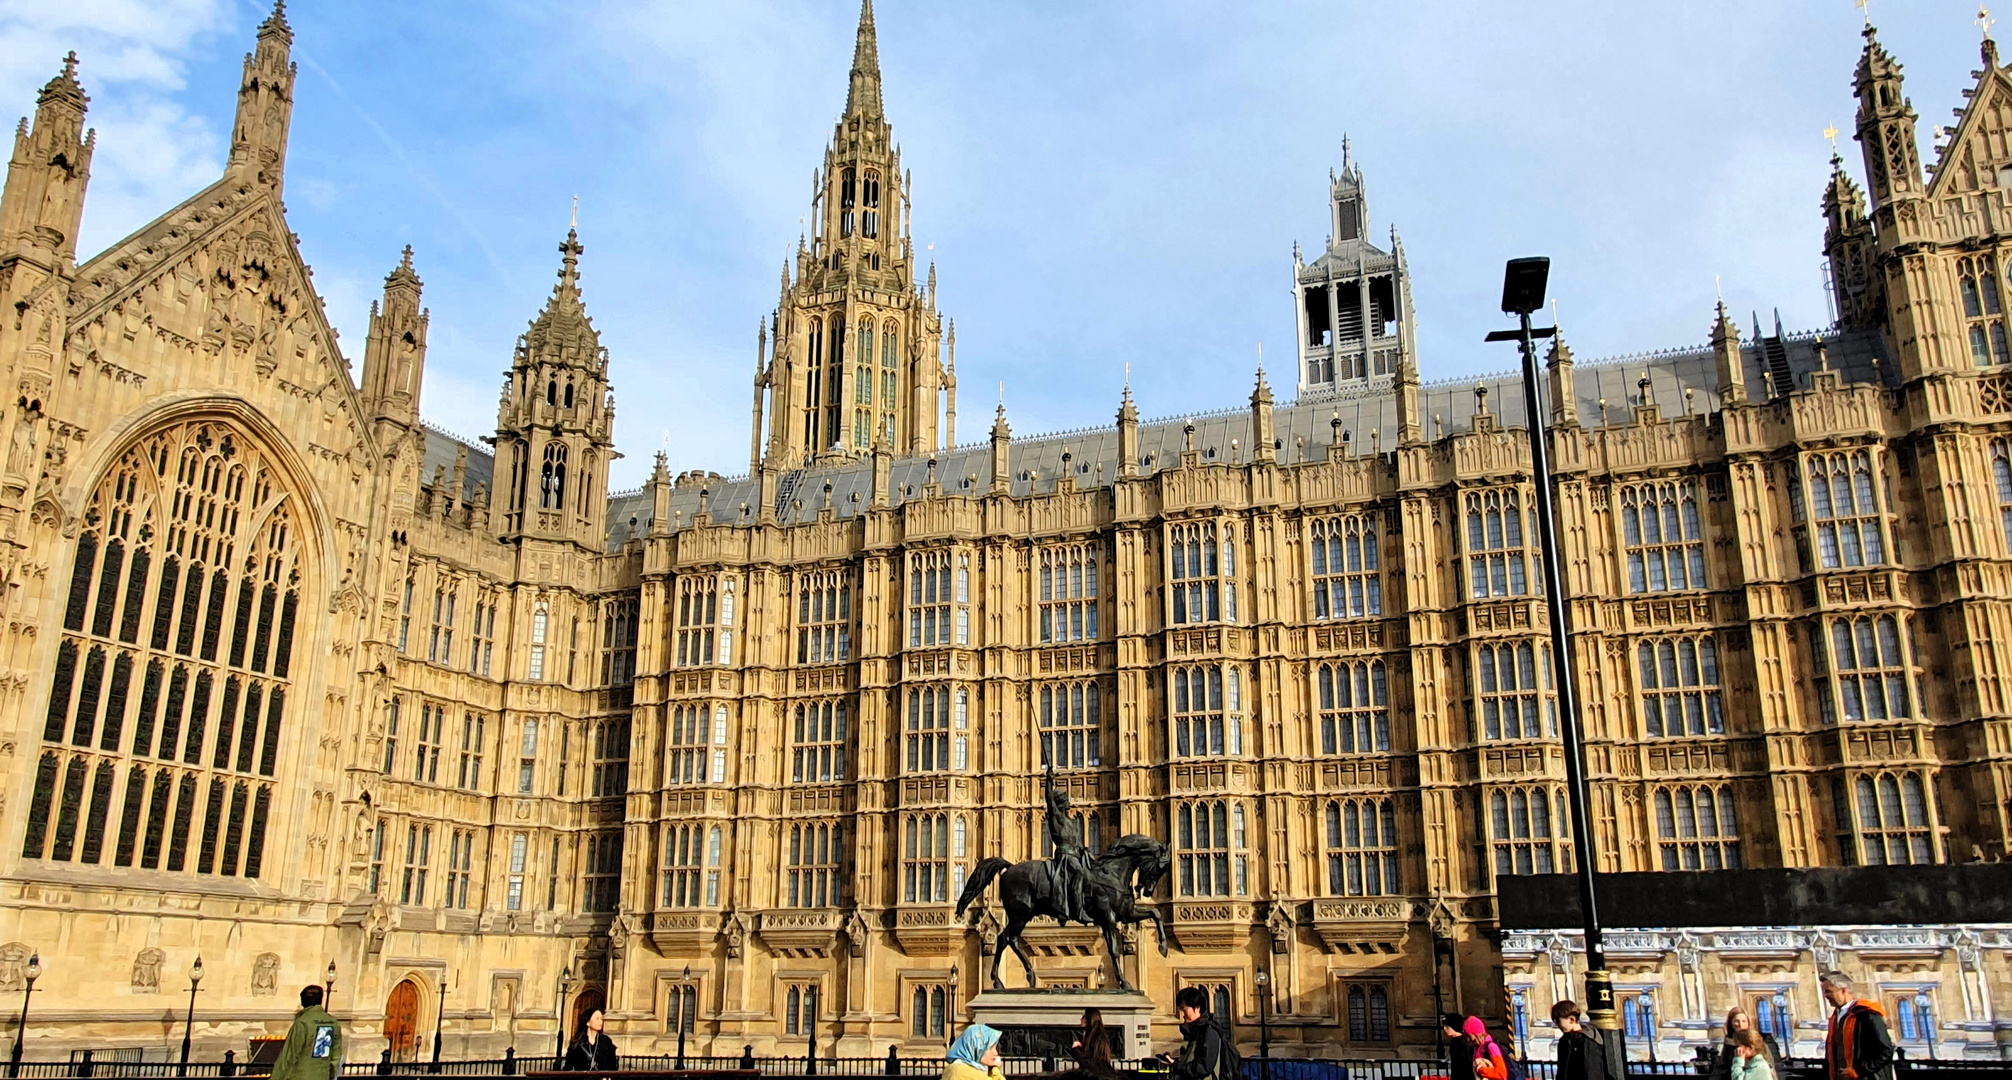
863	96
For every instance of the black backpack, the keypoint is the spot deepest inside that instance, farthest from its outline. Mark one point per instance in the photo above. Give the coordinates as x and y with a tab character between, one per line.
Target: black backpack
1230	1065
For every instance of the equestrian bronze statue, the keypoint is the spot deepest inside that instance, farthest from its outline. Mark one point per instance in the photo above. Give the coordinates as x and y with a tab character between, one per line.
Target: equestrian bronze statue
1074	886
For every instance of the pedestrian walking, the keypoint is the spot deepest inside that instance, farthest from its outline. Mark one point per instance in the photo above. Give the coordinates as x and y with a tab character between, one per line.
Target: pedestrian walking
1858	1046
592	1050
1580	1055
1484	1051
1459	1055
1738	1021
974	1056
1092	1048
313	1049
1206	1051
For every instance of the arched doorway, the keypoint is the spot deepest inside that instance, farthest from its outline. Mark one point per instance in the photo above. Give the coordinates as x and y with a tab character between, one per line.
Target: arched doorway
401	1020
590	999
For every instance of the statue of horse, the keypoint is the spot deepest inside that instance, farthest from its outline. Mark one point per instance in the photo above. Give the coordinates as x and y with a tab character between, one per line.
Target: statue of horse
1028	890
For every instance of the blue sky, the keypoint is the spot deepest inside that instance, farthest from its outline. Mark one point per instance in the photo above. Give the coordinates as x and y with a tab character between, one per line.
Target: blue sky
1103	183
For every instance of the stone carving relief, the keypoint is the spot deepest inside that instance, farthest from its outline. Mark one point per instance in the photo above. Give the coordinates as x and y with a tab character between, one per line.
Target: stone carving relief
265	975
14	966
147	971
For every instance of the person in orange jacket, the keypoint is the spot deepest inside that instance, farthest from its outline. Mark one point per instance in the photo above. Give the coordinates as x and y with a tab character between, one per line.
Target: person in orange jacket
1858	1046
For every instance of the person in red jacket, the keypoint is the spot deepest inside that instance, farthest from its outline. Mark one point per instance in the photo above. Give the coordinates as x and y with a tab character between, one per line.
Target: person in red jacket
1487	1053
1858	1047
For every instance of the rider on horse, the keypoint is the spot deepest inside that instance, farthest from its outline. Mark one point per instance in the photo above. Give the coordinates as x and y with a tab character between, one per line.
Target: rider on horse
1071	862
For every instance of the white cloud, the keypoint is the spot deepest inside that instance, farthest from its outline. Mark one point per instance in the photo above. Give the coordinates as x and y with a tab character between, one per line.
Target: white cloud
152	151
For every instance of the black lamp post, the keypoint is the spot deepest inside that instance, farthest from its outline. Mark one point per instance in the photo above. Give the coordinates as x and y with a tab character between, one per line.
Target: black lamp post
1649	1021
810	1029
188	1028
21	1029
953	1002
1264	1024
328	989
684	988
1523	283
559	1016
439	1019
1924	1011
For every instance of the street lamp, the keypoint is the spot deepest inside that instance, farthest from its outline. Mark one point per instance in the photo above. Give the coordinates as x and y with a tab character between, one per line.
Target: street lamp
1649	1019
1924	1012
1264	1023
195	984
328	989
559	1016
954	1003
1784	1032
439	1019
21	1030
1523	283
684	988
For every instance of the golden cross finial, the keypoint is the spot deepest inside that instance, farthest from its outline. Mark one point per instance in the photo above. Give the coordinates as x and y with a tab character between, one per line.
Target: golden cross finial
576	211
1984	20
1830	132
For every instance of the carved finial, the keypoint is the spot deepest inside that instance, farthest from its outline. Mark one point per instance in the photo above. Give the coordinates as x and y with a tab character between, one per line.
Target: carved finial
576	212
1481	398
1642	384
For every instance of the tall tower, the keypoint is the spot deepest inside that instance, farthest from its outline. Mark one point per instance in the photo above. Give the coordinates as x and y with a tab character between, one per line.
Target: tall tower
394	355
1354	301
555	425
854	353
265	102
43	202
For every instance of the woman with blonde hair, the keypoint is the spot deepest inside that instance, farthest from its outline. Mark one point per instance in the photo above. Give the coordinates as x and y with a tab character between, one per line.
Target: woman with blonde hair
1741	1036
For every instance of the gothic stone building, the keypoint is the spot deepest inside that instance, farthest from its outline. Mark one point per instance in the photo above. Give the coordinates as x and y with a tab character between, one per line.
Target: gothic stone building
295	683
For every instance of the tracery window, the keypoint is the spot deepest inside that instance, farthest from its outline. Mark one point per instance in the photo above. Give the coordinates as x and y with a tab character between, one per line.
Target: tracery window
869	215
405	614
1072	724
1212	848
1522	830
393	711
482	635
609	741
177	649
1664	536
1068	593
514	892
1866	669
1368	1012
2001	471
686	750
820	742
1977	280
1354	707
474	737
1508	679
460	867
1680	686
926	1011
1207	709
552	480
527	756
618	641
1497	563
418	860
925	860
686	851
1362	847
816	850
440	644
601	875
824	617
1202	568
1346	580
539	620
890	379
432	733
1844	501
1697	827
1885	820
930	598
928	734
705	620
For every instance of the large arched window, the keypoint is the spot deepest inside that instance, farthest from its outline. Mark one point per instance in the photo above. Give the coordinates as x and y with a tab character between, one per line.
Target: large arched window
552	481
169	690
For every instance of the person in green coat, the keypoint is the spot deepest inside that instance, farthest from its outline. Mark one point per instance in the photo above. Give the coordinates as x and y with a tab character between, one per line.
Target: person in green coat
313	1048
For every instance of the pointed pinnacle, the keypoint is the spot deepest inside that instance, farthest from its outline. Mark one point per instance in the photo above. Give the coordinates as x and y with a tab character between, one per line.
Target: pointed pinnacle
64	87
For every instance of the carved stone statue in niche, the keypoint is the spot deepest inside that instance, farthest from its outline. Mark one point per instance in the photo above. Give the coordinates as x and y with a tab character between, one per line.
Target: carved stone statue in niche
265	975
21	453
147	971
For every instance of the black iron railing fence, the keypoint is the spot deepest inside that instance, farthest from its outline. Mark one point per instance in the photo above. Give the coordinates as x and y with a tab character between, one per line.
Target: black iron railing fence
118	1065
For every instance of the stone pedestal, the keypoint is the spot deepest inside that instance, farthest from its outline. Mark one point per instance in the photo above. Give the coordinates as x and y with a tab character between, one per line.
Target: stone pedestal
1042	1023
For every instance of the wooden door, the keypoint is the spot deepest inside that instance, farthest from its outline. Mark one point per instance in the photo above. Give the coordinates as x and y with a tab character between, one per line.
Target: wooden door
401	1020
583	1006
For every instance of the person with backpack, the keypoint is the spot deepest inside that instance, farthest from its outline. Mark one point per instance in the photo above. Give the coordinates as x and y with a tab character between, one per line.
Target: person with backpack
1490	1063
1580	1055
1207	1051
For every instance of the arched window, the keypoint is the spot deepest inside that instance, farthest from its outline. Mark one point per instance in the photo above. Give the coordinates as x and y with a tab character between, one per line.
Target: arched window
1983	309
1844	499
1496	563
552	493
1696	827
1362	847
569	393
1354	707
813	384
890	378
177	648
552	392
1680	686
848	195
1346	582
1892	823
869	199
1520	828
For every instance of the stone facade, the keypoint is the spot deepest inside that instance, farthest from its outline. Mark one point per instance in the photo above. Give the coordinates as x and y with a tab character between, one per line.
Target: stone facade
295	680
